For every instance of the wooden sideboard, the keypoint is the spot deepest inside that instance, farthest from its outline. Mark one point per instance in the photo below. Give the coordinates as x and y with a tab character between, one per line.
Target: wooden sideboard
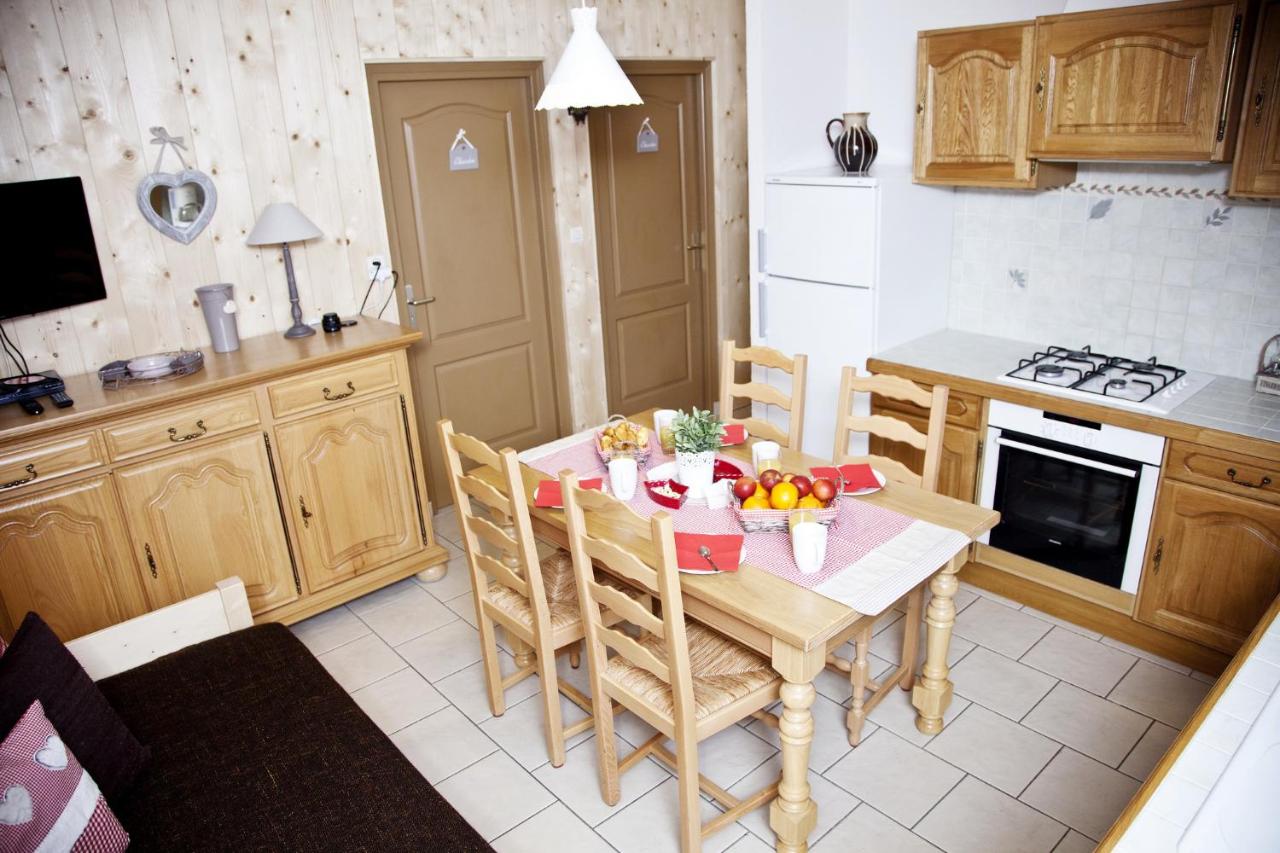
294	464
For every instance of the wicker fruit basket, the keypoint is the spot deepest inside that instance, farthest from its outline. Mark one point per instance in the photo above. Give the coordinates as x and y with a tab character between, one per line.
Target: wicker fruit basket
776	520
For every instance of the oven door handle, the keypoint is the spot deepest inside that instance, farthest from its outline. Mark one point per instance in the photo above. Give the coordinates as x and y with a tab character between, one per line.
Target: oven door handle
1089	463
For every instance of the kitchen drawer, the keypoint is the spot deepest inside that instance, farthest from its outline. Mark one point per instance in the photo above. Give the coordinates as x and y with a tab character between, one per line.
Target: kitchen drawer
962	409
1224	471
32	466
171	427
326	387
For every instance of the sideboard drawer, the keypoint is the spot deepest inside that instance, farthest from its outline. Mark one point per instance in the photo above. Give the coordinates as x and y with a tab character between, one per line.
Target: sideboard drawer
25	468
326	387
178	426
1224	471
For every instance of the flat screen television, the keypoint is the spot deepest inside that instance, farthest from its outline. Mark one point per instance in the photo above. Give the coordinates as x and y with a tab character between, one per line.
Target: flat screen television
49	244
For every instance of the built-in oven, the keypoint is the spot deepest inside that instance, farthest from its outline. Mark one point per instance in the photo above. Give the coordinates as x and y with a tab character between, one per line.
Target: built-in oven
1073	494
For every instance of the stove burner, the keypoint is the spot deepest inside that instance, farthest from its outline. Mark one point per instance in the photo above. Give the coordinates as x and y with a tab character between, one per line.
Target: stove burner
1076	354
1049	369
1117	383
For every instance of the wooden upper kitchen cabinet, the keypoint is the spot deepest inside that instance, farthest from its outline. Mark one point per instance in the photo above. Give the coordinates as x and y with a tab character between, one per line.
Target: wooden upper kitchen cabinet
1256	171
1160	82
973	98
1213	565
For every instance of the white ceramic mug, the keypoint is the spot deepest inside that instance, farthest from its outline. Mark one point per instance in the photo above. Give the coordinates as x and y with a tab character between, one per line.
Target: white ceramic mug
766	454
662	420
622	477
808	542
718	494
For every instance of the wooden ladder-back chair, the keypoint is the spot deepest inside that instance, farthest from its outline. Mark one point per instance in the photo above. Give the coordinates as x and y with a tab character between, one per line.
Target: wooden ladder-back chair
535	601
685	680
759	392
892	429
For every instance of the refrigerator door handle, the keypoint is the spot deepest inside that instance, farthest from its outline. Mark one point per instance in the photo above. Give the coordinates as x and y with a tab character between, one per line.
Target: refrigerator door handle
762	314
761	245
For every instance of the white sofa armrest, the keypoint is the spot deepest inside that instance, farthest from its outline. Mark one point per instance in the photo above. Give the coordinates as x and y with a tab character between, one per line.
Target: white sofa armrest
152	635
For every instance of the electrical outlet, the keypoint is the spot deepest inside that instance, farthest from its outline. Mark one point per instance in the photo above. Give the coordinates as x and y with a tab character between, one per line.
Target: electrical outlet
376	267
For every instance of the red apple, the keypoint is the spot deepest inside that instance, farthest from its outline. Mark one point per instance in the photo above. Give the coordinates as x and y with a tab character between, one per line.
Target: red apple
823	489
770	478
802	483
744	487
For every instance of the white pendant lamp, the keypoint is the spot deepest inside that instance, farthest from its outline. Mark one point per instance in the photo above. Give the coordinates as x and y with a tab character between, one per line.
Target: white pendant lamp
587	75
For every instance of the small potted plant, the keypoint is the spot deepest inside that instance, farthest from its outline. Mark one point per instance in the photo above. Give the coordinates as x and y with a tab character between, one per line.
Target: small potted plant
697	438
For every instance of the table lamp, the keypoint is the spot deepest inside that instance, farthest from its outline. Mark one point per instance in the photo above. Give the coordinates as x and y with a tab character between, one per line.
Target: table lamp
282	224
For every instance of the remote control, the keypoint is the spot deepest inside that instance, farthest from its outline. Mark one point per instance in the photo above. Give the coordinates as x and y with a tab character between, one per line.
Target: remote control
31	407
61	400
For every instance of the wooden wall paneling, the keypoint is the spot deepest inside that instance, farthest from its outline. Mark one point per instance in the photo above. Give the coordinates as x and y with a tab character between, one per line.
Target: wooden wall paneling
729	101
155	86
487	24
376	29
118	156
82	338
415	29
293	37
207	90
453	28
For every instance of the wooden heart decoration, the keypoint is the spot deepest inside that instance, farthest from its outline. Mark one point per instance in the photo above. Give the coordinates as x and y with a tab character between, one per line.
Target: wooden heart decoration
178	205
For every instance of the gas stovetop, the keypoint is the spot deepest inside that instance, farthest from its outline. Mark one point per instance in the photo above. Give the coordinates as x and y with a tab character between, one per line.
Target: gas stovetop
1109	380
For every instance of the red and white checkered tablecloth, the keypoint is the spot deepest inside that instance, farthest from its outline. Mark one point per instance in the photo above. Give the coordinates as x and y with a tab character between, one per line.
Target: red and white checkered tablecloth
874	555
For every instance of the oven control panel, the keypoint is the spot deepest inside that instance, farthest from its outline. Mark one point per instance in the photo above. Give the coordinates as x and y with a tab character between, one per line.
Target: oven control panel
1089	435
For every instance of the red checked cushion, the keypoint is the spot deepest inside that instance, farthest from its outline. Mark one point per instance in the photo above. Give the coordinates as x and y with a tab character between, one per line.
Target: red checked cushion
47	800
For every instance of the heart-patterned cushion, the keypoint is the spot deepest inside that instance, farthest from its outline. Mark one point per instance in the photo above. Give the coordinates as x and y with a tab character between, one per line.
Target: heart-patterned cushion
50	802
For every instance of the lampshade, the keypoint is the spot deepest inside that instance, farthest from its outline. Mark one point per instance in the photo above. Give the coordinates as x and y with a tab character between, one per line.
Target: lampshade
281	223
587	75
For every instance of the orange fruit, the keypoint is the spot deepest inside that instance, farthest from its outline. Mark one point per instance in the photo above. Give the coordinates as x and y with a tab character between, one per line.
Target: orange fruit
755	502
761	492
809	502
784	496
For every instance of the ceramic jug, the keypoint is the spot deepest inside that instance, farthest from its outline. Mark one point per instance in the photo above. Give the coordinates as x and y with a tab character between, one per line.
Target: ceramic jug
855	148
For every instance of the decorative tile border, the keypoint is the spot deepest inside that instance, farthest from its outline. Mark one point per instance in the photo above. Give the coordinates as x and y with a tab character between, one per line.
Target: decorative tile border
1157	192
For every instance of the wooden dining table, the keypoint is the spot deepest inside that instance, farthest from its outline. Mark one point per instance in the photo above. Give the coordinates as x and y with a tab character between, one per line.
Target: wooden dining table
796	628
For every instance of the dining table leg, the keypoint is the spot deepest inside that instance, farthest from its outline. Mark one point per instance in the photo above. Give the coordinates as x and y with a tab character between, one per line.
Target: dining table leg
932	693
793	814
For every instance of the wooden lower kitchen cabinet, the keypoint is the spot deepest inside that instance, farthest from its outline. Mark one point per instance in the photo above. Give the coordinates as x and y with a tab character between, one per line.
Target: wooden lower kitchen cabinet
64	553
294	464
961	442
1213	565
351	490
193	514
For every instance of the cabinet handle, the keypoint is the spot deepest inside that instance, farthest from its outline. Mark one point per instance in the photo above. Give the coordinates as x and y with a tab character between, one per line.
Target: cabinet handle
191	436
1259	101
151	560
306	515
1158	556
1228	79
1261	484
341	395
1040	86
31	475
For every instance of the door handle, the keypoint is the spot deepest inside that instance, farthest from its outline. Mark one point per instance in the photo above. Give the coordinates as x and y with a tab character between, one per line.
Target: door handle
427	301
695	246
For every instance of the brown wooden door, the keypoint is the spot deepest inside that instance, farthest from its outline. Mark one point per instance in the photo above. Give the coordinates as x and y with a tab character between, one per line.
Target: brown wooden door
973	91
348	488
651	238
63	555
477	244
204	515
1148	83
1213	565
1257	165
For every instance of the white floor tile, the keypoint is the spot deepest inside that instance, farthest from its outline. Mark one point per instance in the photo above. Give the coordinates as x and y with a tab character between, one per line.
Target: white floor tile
361	662
456	581
330	629
1080	792
868	831
1085	663
995	749
729	755
1155	691
442	744
887	644
750	844
521	730
577	783
999	684
1142	759
1074	842
410	614
370	602
835	685
467	691
1002	629
898	715
899	779
833	801
983	593
830	735
464	607
445	525
401	698
976	818
1087	723
1063	623
553	828
444	651
495	794
1146	655
652	824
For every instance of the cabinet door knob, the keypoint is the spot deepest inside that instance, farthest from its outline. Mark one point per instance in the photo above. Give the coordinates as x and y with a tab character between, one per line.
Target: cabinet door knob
201	430
306	515
31	475
341	395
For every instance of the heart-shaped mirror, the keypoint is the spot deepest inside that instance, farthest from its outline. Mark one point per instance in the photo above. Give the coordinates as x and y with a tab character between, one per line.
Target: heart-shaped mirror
178	205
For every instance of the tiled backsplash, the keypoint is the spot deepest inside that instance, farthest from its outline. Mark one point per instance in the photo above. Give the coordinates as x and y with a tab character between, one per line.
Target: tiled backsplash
1135	260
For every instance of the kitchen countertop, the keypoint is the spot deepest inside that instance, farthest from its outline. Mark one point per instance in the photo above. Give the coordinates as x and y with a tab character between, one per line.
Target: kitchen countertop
1227	405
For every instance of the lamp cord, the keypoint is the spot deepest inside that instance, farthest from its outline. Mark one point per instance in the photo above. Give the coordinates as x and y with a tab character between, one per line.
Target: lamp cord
395	279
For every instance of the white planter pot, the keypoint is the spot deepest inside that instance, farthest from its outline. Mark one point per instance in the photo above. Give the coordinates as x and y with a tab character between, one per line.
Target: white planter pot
695	470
